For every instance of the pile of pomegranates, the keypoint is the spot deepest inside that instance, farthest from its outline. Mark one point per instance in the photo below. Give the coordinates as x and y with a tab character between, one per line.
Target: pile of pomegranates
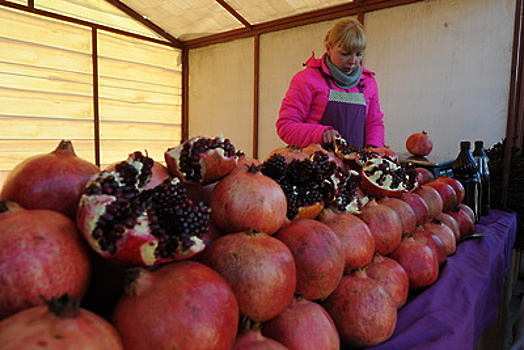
308	248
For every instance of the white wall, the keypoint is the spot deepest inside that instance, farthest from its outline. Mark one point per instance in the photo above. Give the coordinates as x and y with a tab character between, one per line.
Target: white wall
442	65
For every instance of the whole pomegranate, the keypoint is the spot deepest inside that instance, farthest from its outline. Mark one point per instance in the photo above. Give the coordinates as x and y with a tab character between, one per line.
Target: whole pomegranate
405	213
362	310
250	337
42	255
432	198
181	305
131	226
52	181
319	256
424	175
392	276
355	236
61	324
451	222
445	233
304	325
201	159
419	144
434	242
447	194
460	191
248	200
419	261
384	224
419	206
465	218
259	268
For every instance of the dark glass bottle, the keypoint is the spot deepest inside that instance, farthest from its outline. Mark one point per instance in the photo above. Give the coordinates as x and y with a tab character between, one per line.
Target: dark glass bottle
465	170
482	159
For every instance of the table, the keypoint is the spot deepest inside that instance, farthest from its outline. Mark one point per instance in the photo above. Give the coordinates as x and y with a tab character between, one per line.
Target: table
452	313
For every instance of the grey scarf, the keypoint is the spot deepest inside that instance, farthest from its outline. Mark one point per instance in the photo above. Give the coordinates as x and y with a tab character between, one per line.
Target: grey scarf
344	81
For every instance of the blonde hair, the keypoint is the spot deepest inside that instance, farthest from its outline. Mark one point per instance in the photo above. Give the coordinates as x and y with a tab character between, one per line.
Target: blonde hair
348	33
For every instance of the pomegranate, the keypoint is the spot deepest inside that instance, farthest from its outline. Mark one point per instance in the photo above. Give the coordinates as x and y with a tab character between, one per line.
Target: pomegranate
384	224
250	199
61	324
52	181
303	325
354	234
405	213
447	194
392	276
42	255
445	233
419	144
432	198
201	159
319	256
382	177
434	242
463	215
250	337
383	152
354	157
243	162
289	153
419	261
159	173
424	175
362	310
181	305
460	191
259	268
317	147
451	222
134	227
419	206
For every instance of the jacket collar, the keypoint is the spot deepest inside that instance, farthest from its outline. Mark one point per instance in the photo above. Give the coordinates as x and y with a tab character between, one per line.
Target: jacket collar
313	62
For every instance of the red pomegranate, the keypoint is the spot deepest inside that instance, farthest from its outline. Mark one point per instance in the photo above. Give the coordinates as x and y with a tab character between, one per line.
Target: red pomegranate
159	173
392	276
243	162
433	241
244	200
445	233
289	152
460	191
432	198
304	325
259	268
181	305
316	147
319	256
451	222
381	177
384	224
419	206
384	152
42	255
419	144
52	181
405	213
201	159
355	236
362	309
131	226
250	337
465	219
424	175
419	261
61	324
447	194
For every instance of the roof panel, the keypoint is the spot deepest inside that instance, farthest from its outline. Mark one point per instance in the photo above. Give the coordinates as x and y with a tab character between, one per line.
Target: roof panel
256	12
186	19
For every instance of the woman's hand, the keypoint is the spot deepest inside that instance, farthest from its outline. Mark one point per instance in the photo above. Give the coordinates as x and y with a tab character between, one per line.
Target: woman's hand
329	136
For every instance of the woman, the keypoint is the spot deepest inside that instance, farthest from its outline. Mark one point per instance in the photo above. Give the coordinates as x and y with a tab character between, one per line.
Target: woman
334	95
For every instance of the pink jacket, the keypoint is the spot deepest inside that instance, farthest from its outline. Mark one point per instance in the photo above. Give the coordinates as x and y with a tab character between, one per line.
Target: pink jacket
306	99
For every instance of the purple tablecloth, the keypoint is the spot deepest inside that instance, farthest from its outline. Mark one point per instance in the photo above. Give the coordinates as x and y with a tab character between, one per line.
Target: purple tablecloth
452	313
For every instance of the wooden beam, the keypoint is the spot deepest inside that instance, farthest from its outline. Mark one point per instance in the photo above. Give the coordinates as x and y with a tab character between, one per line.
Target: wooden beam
234	13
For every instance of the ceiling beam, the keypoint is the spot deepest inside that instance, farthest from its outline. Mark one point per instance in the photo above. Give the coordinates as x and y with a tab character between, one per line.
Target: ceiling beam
235	14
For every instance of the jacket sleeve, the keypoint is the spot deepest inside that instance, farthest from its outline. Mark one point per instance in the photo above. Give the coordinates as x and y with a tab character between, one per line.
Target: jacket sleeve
300	113
375	129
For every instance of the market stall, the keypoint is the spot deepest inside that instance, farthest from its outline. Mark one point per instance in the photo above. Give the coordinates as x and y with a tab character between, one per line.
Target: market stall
453	313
